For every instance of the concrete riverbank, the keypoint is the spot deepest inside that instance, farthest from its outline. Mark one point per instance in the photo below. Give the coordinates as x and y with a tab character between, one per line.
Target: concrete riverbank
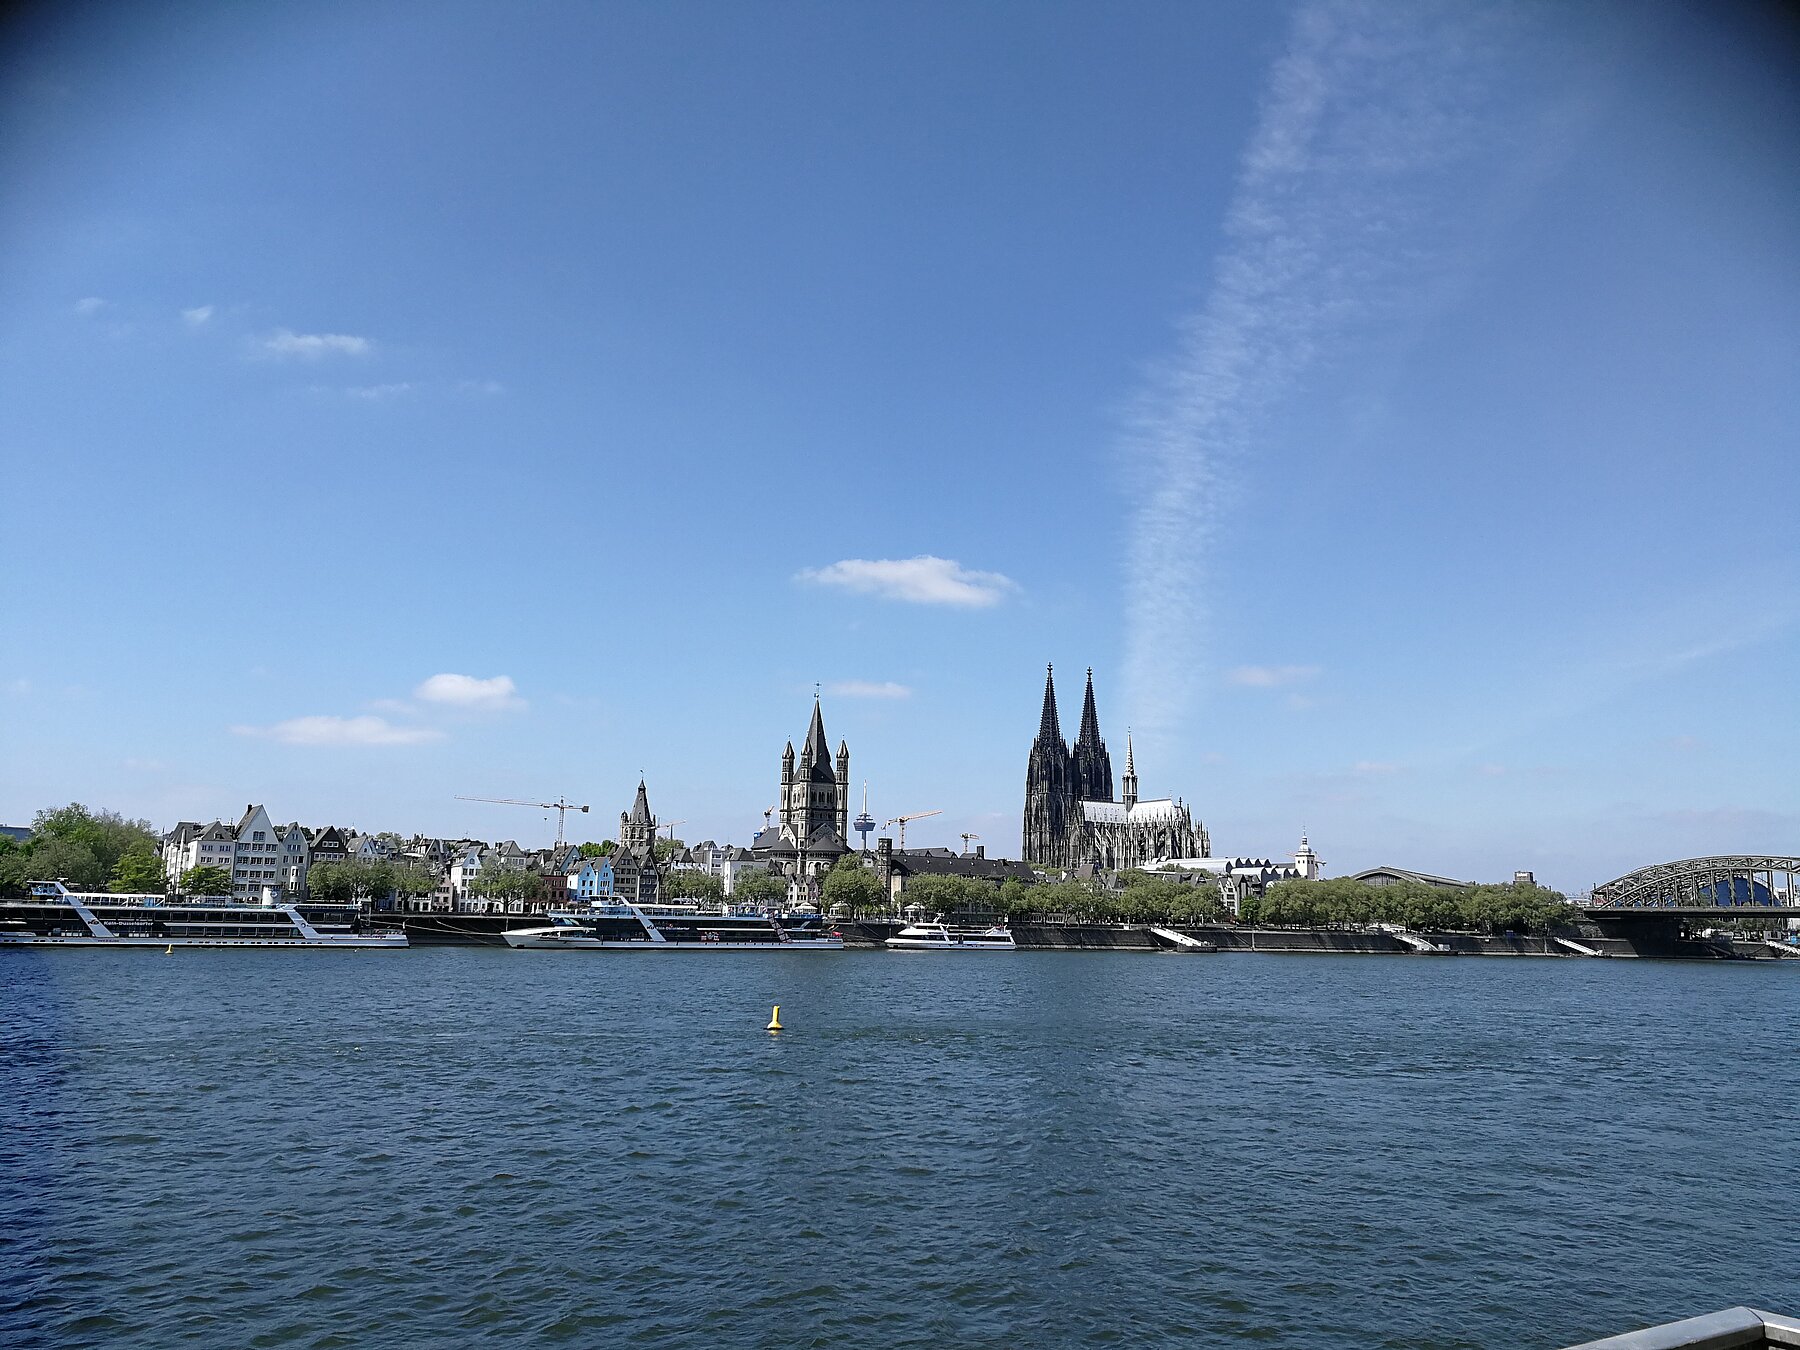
1342	942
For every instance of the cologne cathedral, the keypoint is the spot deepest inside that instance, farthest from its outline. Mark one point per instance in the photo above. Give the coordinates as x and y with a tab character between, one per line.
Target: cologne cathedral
1072	818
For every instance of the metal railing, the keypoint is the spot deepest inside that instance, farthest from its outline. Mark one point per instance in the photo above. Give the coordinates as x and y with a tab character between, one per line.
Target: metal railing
1715	1331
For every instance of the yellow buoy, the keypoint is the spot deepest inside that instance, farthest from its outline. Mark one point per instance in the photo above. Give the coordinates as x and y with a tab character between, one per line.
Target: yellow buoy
169	950
775	1019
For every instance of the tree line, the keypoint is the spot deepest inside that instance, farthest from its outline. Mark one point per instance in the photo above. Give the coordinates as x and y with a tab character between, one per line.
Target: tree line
86	850
1341	902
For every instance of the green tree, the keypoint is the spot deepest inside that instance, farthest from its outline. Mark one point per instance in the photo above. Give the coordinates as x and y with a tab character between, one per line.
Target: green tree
666	849
410	881
105	834
206	881
759	889
853	886
593	850
687	884
507	883
331	883
55	858
139	870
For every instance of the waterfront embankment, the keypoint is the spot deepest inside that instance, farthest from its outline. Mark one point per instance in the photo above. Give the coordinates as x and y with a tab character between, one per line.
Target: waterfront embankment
1654	945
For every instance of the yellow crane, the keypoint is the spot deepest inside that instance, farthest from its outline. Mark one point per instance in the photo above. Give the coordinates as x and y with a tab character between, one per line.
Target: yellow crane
901	822
562	806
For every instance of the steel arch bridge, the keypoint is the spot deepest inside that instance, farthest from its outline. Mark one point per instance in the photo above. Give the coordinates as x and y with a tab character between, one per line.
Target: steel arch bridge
1739	885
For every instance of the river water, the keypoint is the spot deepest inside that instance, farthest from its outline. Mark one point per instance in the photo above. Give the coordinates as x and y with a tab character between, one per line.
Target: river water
372	1149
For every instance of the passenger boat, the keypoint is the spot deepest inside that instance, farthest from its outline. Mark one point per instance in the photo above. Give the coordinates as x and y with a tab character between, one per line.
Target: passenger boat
567	936
624	926
937	936
54	916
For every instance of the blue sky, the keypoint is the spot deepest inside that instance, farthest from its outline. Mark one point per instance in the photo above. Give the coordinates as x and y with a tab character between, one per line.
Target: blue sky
1396	406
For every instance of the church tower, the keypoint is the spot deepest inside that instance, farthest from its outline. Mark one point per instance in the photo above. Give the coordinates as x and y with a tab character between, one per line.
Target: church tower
1050	797
637	827
1092	766
815	812
1130	776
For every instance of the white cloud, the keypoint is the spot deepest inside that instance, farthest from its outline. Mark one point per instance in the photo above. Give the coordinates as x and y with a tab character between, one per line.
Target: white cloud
467	691
376	393
1345	213
198	316
342	731
868	689
311	346
89	306
1269	677
924	580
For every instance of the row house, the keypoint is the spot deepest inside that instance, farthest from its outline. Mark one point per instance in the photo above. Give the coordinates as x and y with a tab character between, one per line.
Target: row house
727	862
250	853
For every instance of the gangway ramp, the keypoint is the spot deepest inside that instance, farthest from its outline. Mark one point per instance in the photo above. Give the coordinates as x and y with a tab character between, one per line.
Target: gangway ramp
1181	942
1786	949
1419	944
1574	946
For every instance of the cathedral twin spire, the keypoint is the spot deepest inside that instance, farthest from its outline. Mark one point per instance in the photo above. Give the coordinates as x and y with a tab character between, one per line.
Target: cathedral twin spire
1086	765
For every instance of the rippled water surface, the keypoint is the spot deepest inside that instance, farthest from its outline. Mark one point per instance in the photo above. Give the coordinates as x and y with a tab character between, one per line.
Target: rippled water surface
450	1146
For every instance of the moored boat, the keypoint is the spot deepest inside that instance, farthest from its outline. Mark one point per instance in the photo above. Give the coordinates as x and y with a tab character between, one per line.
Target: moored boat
937	936
54	916
625	926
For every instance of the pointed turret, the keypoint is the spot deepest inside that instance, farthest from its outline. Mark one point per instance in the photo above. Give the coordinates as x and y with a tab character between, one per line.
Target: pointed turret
1092	765
816	745
1050	800
1090	719
1049	727
1130	782
815	753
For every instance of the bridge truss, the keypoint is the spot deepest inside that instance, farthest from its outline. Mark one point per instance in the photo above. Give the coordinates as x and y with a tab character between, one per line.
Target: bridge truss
1730	885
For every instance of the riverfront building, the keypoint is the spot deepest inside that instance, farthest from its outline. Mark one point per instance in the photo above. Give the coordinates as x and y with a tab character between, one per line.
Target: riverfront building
1072	818
815	814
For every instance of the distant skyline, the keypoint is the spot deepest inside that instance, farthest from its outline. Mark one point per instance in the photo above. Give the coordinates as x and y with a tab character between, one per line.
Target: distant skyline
1394	405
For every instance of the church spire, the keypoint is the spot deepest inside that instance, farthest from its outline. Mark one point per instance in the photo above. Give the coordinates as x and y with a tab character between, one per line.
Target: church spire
1049	728
1130	783
1090	719
1093	776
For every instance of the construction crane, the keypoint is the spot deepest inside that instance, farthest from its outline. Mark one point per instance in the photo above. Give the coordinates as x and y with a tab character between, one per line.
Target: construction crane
865	822
766	814
669	825
966	838
562	806
901	822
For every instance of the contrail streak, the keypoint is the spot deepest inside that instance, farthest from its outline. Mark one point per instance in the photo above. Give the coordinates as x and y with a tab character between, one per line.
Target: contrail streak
1338	216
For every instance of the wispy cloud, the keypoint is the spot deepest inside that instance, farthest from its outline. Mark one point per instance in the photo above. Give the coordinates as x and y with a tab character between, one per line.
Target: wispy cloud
325	730
197	317
1334	221
868	689
379	393
89	306
467	691
284	342
924	580
1271	677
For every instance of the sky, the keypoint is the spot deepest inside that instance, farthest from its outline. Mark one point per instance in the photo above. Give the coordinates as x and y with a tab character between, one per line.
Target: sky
1395	405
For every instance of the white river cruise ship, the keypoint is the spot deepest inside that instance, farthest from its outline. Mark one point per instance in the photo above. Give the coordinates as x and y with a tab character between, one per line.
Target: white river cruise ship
54	916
